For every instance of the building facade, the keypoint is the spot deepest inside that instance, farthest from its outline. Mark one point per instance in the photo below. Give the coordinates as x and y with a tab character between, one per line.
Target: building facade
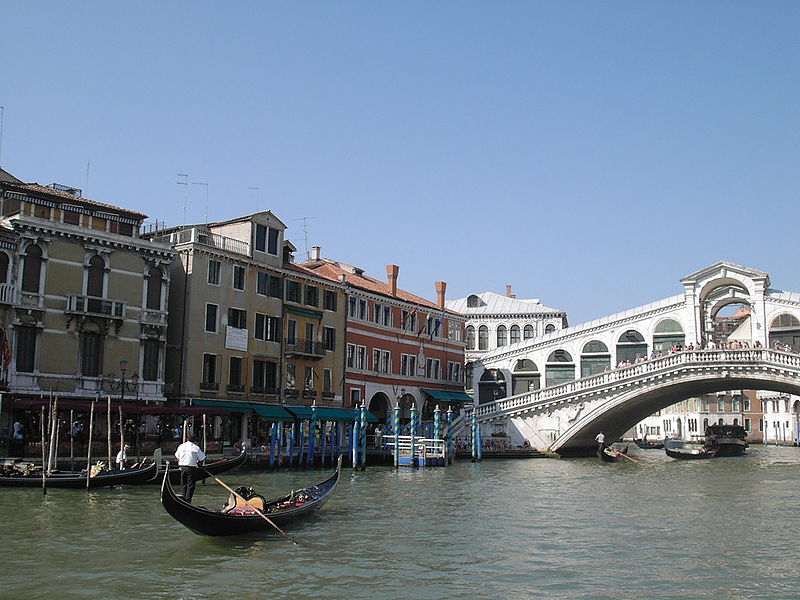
400	348
495	321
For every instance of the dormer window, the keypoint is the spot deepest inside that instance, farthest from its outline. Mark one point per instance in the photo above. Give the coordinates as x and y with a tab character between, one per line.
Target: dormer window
473	301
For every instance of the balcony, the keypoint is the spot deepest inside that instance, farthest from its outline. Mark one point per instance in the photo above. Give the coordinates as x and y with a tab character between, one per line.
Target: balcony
328	395
151	316
264	391
92	305
29	299
237	388
9	294
209	386
309	394
203	236
291	394
307	348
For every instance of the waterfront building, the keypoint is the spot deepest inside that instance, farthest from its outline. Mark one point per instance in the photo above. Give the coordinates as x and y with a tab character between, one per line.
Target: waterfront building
400	348
252	331
83	298
495	321
780	423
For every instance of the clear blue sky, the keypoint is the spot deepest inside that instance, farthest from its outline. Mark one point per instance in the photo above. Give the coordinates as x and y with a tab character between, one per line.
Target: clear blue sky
589	153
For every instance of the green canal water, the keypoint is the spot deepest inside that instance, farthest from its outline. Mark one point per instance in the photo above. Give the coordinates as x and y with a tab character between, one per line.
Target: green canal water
504	529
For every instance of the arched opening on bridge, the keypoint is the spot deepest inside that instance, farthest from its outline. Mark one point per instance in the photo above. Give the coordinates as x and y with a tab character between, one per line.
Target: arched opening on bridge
732	322
784	330
595	358
631	347
668	334
492	386
559	368
526	377
380	406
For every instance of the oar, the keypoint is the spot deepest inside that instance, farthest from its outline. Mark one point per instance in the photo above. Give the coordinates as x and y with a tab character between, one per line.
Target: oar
626	456
260	514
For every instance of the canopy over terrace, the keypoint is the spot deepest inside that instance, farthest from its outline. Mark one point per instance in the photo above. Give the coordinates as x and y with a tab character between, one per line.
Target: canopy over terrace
131	407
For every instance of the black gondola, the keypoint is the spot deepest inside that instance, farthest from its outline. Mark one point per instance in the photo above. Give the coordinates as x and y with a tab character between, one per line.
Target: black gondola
690	454
77	479
645	445
611	454
291	507
727	440
215	468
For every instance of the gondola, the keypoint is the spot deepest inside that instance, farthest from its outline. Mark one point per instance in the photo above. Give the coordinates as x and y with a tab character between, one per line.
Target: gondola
645	445
291	507
690	454
215	468
77	479
611	454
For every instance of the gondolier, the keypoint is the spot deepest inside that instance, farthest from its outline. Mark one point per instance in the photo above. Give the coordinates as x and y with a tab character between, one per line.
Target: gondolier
190	457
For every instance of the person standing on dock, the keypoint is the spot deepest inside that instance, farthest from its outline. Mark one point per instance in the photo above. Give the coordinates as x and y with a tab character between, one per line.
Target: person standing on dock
190	458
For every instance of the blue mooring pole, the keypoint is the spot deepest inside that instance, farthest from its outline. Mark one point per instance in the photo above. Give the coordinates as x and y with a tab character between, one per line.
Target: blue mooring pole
437	425
473	434
280	445
273	434
363	428
413	434
396	415
354	443
449	434
312	435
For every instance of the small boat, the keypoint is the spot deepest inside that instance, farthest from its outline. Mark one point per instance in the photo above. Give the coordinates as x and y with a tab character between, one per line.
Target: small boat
77	479
727	440
611	454
236	517
690	453
215	468
677	448
645	445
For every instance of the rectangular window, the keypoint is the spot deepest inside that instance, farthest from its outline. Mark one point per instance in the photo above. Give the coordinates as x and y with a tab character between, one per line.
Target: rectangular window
26	349
211	317
292	291
453	371
150	354
361	357
291	332
291	376
746	404
91	354
312	295
355	397
329	335
404	364
386	361
265	377
351	356
267	328
238	277
362	310
213	272
721	404
308	378
272	241
376	360
71	217
237	318
261	238
235	372
262	283
275	289
387	316
327	380
329	300
377	310
748	425
209	368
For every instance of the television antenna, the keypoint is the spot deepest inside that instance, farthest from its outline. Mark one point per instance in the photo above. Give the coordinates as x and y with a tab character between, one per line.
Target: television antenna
206	185
185	193
257	195
305	221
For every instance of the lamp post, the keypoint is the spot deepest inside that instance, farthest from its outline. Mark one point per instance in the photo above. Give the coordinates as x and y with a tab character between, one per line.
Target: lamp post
121	384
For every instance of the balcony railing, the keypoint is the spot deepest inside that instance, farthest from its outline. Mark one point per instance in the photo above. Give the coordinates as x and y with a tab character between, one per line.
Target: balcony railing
202	236
209	386
265	391
328	395
309	394
289	393
235	387
307	347
30	299
153	317
96	306
9	293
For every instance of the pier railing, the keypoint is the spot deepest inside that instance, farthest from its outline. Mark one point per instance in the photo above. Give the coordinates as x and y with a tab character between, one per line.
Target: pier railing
423	447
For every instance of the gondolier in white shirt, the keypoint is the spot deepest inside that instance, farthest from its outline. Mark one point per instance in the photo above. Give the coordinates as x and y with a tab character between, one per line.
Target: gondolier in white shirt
601	442
190	458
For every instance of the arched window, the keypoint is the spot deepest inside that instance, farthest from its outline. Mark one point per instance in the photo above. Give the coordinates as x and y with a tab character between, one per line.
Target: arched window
631	347
527	332
785	320
154	288
595	358
470	337
667	334
526	376
559	368
785	331
32	269
515	334
550	328
473	301
492	386
4	262
96	274
502	338
483	337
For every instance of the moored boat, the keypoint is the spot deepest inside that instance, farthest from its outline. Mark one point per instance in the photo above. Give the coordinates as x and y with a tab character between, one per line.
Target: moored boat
726	440
236	518
77	479
677	448
645	445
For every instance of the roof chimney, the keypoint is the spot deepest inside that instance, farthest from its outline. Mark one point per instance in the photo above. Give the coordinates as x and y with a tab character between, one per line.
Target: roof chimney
441	286
391	275
315	252
508	292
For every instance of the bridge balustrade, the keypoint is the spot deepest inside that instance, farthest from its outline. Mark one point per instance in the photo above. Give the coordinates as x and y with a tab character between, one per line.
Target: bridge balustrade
562	393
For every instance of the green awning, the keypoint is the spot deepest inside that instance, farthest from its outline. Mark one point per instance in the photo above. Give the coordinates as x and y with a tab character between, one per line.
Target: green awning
325	413
445	396
268	412
304	313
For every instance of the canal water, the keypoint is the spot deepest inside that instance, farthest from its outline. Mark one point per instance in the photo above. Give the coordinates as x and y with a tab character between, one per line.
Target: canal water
499	529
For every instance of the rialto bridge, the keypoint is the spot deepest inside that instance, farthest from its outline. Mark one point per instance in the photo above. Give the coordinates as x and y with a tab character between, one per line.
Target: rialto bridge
558	390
